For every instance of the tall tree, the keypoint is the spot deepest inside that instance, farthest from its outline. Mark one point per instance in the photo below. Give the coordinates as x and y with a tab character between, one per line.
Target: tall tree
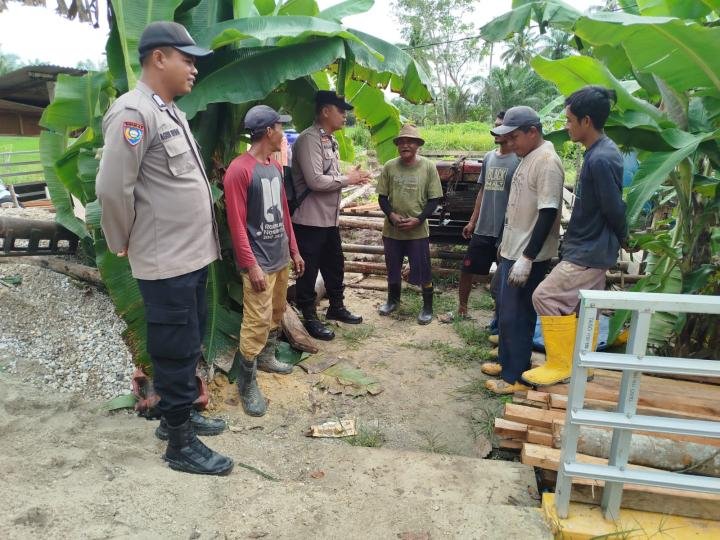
9	62
520	48
442	40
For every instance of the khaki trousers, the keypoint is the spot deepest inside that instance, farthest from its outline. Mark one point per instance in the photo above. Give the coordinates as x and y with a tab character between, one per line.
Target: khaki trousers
262	311
557	294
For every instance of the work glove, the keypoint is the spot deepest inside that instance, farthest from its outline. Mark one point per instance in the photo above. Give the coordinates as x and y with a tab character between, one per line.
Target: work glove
520	272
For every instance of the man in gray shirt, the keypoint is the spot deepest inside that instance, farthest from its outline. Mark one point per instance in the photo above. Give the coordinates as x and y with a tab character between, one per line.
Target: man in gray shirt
488	218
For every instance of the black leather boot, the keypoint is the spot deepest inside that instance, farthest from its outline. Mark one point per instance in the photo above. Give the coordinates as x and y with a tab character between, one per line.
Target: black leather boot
341	313
186	453
253	402
393	299
266	360
314	327
426	314
202	426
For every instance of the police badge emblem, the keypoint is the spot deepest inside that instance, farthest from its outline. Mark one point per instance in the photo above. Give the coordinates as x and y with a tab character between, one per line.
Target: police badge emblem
133	132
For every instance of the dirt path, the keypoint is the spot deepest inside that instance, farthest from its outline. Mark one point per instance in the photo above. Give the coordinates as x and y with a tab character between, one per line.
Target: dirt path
71	470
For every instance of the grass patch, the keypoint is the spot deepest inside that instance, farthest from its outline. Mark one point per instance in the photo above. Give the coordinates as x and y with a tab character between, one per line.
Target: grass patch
433	442
466	136
19	144
462	356
370	437
411	303
481	300
353	336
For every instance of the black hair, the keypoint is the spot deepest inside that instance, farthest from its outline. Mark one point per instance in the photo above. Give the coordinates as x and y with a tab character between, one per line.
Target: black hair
319	107
257	135
525	129
500	115
594	102
165	49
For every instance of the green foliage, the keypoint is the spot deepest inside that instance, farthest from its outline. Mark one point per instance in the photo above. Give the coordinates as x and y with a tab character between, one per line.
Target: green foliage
19	144
467	136
663	60
285	52
368	436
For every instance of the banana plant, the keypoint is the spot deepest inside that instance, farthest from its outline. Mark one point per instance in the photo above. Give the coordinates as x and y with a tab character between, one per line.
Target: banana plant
266	51
663	60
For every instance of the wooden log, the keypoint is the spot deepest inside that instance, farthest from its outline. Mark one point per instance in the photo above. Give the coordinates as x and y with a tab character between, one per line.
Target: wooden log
682	502
506	429
294	330
81	272
435	253
531	415
664	397
380	270
348	222
356	194
360	211
541	398
670	454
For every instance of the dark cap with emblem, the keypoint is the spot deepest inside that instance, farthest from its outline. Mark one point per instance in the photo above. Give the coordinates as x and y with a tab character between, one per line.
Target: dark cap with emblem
330	97
262	116
169	34
517	117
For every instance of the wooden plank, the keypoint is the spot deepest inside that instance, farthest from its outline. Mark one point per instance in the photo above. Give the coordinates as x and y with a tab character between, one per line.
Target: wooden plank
539	437
531	415
667	397
510	444
543	398
506	429
666	500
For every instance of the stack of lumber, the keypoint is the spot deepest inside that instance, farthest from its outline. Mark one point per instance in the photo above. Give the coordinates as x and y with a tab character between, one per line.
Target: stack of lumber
533	424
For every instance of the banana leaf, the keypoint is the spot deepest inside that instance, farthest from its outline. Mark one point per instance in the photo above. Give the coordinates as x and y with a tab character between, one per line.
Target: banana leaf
545	12
685	54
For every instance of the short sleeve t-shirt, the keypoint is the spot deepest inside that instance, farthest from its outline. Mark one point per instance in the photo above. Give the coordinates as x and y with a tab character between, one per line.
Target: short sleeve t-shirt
261	187
537	184
496	177
408	188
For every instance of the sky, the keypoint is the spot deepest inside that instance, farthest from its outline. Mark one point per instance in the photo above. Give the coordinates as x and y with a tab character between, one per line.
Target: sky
66	43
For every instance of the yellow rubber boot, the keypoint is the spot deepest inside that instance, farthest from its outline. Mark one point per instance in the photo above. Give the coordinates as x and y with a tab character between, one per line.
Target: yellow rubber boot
559	336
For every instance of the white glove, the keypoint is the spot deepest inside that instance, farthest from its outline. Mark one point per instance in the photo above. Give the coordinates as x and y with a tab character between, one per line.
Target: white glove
520	272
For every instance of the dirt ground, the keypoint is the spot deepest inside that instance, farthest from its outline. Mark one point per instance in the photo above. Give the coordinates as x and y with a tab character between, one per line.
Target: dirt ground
72	470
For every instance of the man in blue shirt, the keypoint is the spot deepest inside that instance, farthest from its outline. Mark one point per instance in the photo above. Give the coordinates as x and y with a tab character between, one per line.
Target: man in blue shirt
596	231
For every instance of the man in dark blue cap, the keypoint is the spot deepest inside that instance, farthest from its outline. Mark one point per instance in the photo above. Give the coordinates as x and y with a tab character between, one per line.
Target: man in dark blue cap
318	184
157	209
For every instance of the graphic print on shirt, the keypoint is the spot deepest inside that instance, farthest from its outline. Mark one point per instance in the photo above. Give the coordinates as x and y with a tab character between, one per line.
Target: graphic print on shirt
272	226
407	185
495	178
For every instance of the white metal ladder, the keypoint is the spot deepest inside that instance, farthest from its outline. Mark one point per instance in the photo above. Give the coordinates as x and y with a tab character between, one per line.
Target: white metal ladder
615	474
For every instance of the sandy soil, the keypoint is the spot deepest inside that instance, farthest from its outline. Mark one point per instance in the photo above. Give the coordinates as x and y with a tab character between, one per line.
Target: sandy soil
72	470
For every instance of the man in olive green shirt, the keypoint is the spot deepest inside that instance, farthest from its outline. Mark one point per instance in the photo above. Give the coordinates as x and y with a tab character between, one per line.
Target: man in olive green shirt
409	191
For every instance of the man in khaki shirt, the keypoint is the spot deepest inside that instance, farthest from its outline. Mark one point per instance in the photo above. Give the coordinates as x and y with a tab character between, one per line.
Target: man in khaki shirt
530	239
318	184
157	210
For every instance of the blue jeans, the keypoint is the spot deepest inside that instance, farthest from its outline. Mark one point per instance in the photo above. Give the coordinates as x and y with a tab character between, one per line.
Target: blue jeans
517	320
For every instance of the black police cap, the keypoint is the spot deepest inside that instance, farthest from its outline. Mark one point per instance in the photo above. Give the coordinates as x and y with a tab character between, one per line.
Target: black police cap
169	34
330	97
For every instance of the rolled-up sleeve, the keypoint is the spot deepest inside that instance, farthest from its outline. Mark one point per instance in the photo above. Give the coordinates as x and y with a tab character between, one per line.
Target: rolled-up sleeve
308	152
118	174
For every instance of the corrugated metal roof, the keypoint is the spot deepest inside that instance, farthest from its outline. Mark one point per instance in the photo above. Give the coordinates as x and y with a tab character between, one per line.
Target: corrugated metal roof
28	85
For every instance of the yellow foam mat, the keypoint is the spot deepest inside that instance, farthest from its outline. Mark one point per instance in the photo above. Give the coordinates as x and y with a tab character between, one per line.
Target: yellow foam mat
585	521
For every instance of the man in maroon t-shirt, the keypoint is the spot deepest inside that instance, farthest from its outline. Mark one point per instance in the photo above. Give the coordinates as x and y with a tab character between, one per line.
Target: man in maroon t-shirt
264	243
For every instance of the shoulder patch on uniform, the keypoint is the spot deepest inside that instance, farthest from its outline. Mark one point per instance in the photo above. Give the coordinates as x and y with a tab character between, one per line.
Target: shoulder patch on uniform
133	132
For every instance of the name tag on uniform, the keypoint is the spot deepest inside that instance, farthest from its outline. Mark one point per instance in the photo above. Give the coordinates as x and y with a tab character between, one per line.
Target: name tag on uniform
165	135
133	132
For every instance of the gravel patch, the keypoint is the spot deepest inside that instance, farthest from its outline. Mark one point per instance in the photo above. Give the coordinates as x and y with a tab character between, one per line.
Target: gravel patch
42	214
61	334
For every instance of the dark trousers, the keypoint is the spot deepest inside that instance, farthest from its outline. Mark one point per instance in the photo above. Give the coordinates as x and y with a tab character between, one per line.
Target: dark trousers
321	249
517	319
176	314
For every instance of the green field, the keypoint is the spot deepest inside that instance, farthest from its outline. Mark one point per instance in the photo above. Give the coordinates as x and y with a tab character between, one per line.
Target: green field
473	136
19	144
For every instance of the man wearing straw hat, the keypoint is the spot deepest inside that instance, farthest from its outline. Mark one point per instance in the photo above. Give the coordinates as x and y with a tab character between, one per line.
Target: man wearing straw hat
409	191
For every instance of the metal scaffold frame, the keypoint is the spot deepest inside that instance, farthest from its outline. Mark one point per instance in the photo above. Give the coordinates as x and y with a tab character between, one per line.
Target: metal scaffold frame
625	419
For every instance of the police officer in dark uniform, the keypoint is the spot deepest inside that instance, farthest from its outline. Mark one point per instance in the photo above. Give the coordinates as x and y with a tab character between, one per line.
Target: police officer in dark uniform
157	210
319	182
